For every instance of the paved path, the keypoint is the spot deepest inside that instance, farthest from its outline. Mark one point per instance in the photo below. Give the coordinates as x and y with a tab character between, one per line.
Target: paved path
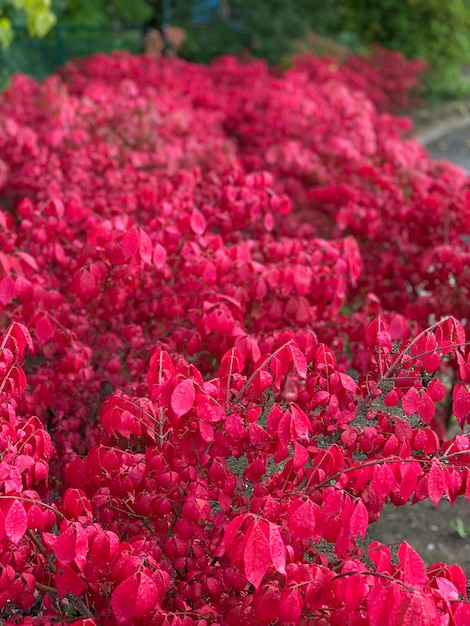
454	146
449	140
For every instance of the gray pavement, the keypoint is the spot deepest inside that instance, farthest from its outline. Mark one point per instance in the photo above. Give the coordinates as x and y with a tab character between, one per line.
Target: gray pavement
449	140
453	146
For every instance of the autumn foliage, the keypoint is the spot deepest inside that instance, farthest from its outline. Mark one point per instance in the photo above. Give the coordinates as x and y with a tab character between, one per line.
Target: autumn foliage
228	299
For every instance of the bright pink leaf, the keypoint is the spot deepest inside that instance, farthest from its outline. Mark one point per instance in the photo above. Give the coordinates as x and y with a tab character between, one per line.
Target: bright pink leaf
359	521
16	522
436	481
351	590
182	398
302	521
147	595
207	431
290	605
377	334
277	548
392	398
86	285
68	581
28	259
130	243
44	328
447	588
159	256
413	568
436	390
409	479
124	599
411	401
233	528
300	424
257	555
64	548
299	360
197	222
383	480
461	404
7	290
145	247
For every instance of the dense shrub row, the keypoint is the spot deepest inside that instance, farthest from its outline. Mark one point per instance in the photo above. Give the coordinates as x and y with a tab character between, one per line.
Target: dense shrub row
216	366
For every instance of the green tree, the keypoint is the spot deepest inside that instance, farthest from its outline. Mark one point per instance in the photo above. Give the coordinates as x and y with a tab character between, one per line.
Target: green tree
102	12
37	15
436	31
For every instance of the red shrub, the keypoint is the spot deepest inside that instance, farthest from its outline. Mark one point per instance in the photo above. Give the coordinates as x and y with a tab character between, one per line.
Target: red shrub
229	278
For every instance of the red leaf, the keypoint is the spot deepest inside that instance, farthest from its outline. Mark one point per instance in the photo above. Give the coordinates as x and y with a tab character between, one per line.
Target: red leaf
450	334
159	256
302	521
300	424
300	456
432	357
81	546
426	409
299	360
353	257
436	481
7	290
436	390
278	548
411	401
351	590
44	329
409	479
392	398
124	599
461	404
207	431
359	520
147	595
447	588
377	335
383	480
64	548
130	243
267	605
413	569
182	398
462	615
257	555
197	222
380	603
145	247
232	529
16	522
20	336
28	259
86	284
302	279
68	581
420	611
290	606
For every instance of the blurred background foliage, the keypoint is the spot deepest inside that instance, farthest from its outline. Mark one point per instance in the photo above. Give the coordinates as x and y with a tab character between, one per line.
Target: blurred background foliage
436	31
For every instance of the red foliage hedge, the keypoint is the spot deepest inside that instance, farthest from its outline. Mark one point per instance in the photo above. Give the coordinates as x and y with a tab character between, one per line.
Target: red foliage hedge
231	279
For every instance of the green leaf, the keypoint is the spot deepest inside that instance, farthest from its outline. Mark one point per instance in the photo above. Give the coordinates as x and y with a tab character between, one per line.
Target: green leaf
40	21
6	32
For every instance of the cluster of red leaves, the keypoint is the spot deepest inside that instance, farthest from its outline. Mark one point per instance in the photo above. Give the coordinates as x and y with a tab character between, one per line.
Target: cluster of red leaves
385	76
202	435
